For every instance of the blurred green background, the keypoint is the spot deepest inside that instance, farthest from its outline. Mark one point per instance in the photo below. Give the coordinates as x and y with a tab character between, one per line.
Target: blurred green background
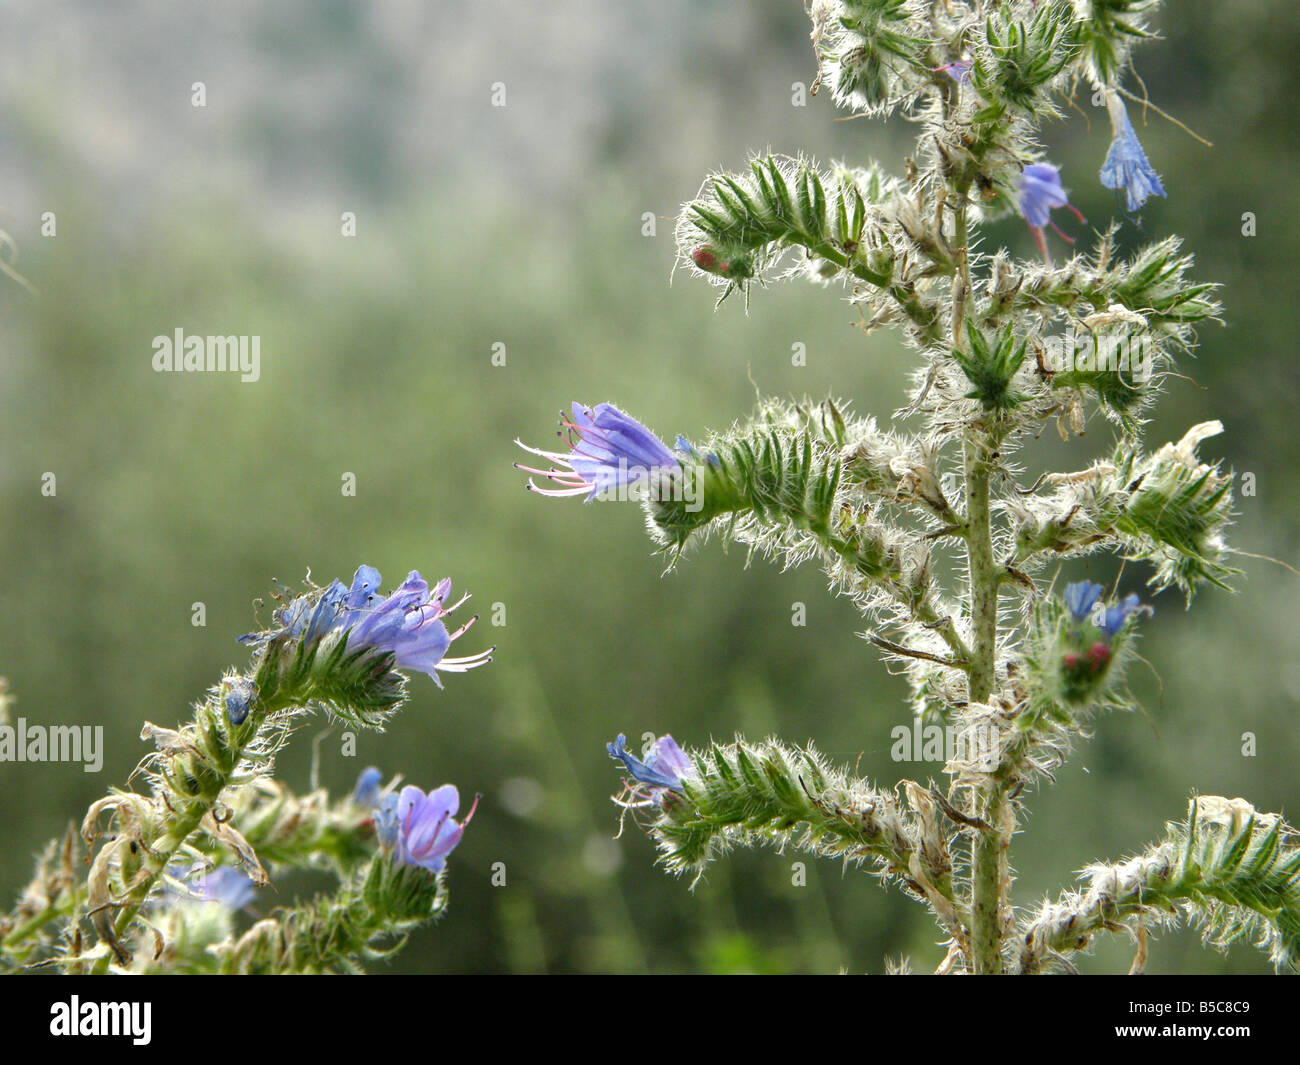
522	226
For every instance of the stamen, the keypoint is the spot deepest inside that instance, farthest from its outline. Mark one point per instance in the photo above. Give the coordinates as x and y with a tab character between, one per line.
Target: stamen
552	474
1040	243
460	665
554	456
557	492
461	631
459	602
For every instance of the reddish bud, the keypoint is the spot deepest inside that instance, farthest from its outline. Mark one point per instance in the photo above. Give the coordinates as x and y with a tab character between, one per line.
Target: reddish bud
1098	656
706	260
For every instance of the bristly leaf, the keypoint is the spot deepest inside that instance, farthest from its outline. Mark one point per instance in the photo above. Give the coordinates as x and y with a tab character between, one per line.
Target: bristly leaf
1106	30
1016	64
741	226
1167	508
1228	869
770	794
1172	510
990	368
872	52
1155	283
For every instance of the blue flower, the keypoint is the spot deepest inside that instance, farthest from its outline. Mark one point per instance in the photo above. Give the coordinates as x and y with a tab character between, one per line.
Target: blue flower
1081	597
226	886
1038	192
608	450
366	793
959	70
306	617
1126	168
1114	617
421	827
663	770
239	699
407	624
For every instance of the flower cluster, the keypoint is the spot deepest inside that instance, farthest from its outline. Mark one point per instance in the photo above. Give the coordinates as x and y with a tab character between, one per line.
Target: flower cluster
1082	597
408	623
1091	637
174	864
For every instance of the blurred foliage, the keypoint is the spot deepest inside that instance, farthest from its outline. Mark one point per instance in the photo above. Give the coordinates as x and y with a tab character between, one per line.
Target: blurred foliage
376	360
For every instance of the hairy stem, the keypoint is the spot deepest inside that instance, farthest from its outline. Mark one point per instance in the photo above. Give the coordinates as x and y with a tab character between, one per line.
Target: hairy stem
961	280
989	860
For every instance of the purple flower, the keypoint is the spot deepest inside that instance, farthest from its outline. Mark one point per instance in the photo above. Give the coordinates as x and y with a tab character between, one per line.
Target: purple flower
1114	617
608	450
1081	597
1126	169
663	770
1038	192
366	793
408	623
958	70
421	827
227	886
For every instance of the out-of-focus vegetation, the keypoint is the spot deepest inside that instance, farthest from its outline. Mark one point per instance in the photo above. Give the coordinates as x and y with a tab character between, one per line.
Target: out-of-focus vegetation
491	226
